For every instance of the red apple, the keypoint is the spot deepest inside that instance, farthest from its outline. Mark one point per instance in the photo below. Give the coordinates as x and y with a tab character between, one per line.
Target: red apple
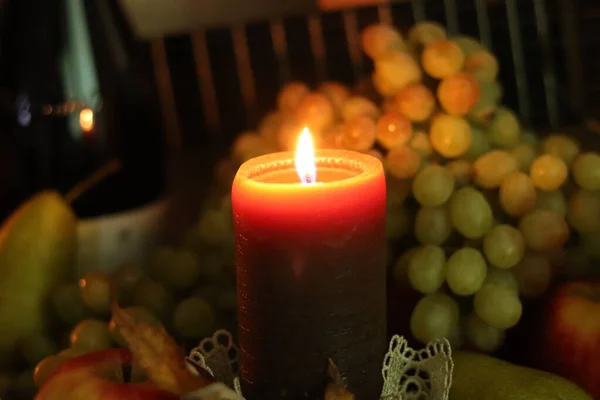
98	376
571	335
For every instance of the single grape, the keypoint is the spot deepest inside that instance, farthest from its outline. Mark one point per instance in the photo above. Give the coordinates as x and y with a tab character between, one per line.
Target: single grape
498	306
517	194
248	145
124	279
397	190
433	225
153	296
442	58
315	112
400	268
194	318
465	271
434	317
398	222
482	336
421	143
458	93
505	129
483	65
544	230
433	186
183	271
383	86
357	106
561	146
479	144
402	162
36	347
483	112
492	168
378	39
462	172
450	135
586	171
139	314
415	101
504	246
290	96
554	201
96	291
470	213
45	369
583	212
468	44
359	134
548	172
337	93
397	69
502	277
534	275
525	154
423	33
91	335
68	304
393	130
427	269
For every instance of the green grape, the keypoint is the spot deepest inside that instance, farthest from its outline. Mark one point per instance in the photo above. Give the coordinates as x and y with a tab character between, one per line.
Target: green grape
194	318
290	96
505	129
468	44
479	144
426	269
442	59
96	291
462	172
400	268
502	277
544	230
492	168
458	93
482	336
397	69
315	112
498	306
561	146
45	369
397	190
433	186
433	225
548	172
421	143
423	33
359	134
36	347
91	335
124	280
517	194
402	162
415	101
525	155
398	222
483	112
450	135
183	270
586	171
378	39
583	212
393	130
530	138
357	106
483	65
456	337
153	296
470	213
139	314
465	271
68	305
504	246
534	275
554	201
434	317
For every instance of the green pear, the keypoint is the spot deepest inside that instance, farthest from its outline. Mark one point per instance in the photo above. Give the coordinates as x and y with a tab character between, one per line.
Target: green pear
37	252
479	377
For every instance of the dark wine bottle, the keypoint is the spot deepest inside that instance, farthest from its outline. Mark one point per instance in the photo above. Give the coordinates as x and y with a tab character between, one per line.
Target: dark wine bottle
77	91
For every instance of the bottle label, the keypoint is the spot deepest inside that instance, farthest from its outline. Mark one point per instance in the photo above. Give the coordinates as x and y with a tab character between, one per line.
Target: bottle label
106	242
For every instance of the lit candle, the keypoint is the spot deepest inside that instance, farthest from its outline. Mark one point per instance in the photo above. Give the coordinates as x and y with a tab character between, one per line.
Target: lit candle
311	272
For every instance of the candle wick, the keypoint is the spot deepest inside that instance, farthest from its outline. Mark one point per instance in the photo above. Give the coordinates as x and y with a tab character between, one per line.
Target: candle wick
308	179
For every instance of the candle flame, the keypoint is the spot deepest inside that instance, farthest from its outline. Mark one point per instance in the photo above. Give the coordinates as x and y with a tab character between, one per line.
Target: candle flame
305	158
86	119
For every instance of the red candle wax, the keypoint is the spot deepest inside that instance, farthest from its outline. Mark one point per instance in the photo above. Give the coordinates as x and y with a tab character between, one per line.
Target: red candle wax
310	274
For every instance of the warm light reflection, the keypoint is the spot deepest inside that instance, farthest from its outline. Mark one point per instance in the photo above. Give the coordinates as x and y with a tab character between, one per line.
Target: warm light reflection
305	158
86	119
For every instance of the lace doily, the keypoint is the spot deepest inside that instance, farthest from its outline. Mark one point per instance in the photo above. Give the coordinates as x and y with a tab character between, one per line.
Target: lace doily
408	374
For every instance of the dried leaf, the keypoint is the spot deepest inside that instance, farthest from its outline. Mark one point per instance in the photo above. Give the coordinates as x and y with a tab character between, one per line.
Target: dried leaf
157	353
337	389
